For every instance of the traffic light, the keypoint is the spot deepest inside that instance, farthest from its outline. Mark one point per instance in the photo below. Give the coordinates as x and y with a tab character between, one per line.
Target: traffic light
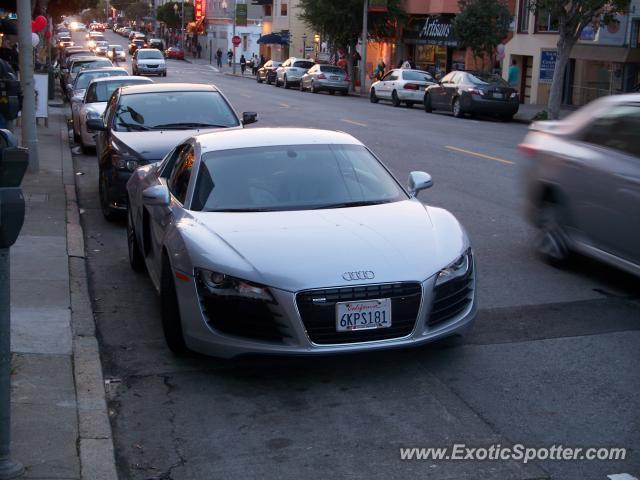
13	165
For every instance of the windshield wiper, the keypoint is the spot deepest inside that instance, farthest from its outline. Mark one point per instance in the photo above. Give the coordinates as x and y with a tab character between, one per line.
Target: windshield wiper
132	126
362	203
187	125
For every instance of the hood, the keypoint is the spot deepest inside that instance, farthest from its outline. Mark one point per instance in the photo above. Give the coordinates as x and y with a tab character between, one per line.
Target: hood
152	61
401	241
152	145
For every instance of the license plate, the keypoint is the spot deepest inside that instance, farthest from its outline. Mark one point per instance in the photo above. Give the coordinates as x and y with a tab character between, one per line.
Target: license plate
497	95
365	315
334	77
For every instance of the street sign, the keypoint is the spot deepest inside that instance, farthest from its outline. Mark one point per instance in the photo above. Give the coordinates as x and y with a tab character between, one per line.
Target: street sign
308	49
236	40
241	15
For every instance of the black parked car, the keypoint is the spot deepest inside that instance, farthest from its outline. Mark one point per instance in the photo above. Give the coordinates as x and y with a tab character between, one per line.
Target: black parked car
142	123
472	92
267	72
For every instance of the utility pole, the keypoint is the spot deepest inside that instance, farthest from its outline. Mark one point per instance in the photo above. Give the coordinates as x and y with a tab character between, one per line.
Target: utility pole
363	55
182	32
28	116
235	16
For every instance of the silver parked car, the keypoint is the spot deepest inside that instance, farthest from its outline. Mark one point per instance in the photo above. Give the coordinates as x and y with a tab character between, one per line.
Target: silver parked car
583	183
94	103
291	71
325	77
401	85
295	241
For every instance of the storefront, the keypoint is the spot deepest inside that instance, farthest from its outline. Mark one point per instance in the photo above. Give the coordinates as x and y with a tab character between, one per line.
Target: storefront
431	43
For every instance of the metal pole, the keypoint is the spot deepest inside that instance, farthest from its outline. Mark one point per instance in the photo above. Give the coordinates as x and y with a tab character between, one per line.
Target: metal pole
363	56
235	13
8	468
182	33
28	115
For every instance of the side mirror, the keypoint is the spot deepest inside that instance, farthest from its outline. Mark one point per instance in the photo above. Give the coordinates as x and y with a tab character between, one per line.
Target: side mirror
419	181
249	117
158	196
96	124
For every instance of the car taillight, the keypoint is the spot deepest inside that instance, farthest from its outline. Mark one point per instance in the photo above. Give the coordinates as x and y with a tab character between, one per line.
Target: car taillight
411	86
476	91
527	150
347	78
322	77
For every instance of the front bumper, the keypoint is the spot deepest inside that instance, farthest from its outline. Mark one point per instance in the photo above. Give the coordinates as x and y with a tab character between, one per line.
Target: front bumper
297	337
151	70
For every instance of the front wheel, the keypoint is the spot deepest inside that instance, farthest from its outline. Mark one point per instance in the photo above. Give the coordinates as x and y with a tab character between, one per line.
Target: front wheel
552	243
457	108
136	260
258	79
171	322
427	103
105	202
394	99
373	97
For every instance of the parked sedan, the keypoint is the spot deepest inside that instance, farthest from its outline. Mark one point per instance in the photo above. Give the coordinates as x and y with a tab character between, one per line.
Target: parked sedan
102	47
267	72
94	103
147	61
142	123
82	63
291	71
225	224
121	56
470	93
325	77
174	53
583	183
401	85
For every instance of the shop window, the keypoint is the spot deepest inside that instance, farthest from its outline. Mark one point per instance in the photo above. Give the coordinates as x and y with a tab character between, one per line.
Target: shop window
635	34
283	9
546	22
523	16
267	10
617	129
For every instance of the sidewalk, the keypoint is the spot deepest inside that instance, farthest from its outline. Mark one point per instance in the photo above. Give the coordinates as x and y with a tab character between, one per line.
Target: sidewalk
60	427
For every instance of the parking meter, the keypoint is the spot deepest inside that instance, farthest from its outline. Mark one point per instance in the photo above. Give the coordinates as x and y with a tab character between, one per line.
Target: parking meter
10	98
13	165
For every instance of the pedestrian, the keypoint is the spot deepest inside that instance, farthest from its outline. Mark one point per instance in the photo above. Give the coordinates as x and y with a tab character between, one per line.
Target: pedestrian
379	72
115	56
199	50
219	58
243	63
230	56
262	61
254	64
513	75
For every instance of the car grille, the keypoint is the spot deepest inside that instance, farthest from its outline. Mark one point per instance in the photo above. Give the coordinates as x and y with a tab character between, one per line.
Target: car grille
246	318
319	318
451	298
151	65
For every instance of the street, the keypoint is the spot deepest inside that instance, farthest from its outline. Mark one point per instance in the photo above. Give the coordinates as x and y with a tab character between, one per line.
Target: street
549	361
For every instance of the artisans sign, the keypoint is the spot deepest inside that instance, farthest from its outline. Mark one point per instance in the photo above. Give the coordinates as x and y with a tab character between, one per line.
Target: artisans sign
432	30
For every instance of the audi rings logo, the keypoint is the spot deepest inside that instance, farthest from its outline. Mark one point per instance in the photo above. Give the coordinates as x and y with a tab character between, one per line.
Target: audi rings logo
359	275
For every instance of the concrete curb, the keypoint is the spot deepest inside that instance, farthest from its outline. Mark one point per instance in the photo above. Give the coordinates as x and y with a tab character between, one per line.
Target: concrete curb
95	446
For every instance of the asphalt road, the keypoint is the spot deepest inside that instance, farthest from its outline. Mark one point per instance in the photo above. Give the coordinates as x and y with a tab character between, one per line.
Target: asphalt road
551	359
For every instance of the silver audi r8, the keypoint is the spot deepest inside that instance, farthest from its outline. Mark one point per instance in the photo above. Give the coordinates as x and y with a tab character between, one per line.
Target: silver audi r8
295	241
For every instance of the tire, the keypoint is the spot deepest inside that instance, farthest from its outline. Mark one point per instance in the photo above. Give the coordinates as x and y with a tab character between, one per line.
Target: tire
427	103
409	104
258	79
268	81
171	322
136	259
372	96
277	83
103	191
285	84
76	136
506	118
457	108
301	87
85	149
552	243
164	74
394	99
332	92
344	93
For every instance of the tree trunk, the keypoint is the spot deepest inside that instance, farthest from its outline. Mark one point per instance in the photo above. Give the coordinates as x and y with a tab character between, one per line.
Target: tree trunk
565	44
350	50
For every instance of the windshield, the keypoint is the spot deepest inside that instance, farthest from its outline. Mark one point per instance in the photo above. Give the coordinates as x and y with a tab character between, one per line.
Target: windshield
84	78
486	78
416	76
186	110
83	63
292	177
330	69
306	65
101	91
149	55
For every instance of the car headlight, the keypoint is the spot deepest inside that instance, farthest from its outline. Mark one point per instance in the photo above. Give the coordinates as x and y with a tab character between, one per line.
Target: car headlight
514	95
125	163
216	283
459	268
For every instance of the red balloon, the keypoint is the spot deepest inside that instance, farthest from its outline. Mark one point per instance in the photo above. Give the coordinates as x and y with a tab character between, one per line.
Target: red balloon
41	22
48	34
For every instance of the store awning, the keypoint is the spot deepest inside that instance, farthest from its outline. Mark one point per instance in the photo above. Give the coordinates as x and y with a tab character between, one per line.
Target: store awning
273	39
605	53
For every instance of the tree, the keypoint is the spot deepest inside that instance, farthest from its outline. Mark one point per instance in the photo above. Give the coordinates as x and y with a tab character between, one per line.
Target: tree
166	13
137	11
572	17
481	26
341	21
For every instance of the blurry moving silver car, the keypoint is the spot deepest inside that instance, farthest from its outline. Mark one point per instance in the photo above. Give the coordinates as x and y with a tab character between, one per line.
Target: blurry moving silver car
325	77
94	104
295	241
401	85
583	183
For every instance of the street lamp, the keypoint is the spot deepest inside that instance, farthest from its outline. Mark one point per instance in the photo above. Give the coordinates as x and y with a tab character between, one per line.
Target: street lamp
304	45
175	9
